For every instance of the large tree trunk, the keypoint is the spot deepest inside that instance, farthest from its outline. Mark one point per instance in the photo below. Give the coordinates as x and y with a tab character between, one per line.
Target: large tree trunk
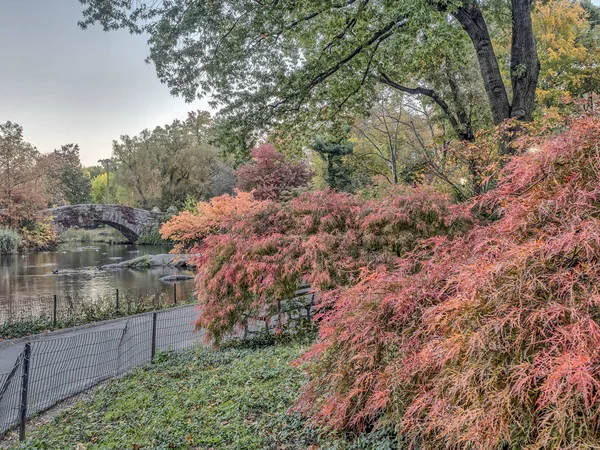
524	62
470	17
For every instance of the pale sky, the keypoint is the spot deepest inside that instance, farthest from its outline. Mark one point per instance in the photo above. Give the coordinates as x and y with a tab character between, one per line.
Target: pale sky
66	85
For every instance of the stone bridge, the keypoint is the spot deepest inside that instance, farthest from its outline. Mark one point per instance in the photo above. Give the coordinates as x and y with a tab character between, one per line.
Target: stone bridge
131	222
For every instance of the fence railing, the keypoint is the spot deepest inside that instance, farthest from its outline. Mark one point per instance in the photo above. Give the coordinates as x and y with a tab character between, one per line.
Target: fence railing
83	308
49	371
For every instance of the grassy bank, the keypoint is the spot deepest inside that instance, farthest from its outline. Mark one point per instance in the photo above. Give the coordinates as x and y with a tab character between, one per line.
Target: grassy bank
104	235
236	398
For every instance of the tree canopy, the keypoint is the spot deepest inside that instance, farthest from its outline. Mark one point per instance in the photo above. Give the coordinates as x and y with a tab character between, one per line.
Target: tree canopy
313	62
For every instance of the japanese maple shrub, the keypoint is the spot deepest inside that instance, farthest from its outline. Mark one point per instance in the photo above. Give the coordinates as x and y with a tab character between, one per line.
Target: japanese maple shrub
254	256
489	340
270	175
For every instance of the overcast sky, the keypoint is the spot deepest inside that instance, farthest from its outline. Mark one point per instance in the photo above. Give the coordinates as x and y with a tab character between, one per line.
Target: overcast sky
66	85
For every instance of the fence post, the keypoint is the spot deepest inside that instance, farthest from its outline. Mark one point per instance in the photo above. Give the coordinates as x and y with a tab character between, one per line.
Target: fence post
309	306
153	345
174	293
24	388
54	311
117	301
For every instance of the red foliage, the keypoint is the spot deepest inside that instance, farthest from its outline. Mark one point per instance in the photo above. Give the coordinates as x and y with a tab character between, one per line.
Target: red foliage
483	341
270	175
261	253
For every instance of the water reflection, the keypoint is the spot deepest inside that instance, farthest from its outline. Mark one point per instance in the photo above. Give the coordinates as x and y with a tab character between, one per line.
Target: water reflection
78	271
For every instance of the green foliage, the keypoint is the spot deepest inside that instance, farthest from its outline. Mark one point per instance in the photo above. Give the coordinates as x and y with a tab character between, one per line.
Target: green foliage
164	166
19	328
77	186
106	235
152	238
93	309
233	138
10	241
67	182
94	171
234	399
106	191
312	64
338	175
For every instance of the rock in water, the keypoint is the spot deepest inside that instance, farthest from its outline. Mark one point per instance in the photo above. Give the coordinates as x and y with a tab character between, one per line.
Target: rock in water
174	278
147	261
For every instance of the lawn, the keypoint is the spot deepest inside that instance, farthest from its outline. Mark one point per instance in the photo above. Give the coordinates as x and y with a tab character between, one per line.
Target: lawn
237	398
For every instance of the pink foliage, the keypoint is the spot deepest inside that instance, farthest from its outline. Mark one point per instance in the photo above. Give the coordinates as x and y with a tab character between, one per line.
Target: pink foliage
489	340
269	175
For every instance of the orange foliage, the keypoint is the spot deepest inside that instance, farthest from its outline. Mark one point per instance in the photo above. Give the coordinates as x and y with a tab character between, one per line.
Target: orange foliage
189	229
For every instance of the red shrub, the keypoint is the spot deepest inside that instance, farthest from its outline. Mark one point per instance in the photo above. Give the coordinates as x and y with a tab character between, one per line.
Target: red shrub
488	340
324	238
270	175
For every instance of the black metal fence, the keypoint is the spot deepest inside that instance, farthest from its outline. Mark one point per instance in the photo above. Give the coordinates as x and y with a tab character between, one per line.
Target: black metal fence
77	309
51	370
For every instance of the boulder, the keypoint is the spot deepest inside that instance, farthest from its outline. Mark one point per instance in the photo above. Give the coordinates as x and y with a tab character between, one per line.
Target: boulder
161	260
175	278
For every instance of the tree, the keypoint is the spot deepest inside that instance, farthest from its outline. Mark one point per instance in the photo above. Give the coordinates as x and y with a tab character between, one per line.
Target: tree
332	151
106	191
489	340
567	45
77	186
270	174
66	179
23	189
94	171
404	139
165	166
313	61
20	176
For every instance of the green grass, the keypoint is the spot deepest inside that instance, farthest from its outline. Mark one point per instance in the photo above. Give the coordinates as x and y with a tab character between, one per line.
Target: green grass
152	238
237	398
103	235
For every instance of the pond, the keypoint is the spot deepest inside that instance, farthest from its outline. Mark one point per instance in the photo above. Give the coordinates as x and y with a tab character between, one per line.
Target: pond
29	276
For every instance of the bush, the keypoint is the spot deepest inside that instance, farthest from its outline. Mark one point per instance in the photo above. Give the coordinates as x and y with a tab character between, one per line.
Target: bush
10	241
39	235
486	341
255	253
270	175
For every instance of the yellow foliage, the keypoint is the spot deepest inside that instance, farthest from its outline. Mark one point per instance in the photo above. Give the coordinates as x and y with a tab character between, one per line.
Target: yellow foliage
568	67
558	24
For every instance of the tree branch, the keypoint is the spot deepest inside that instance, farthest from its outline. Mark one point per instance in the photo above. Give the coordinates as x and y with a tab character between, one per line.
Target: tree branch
458	129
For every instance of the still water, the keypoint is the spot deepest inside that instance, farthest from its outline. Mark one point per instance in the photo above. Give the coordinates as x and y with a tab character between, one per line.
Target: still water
31	275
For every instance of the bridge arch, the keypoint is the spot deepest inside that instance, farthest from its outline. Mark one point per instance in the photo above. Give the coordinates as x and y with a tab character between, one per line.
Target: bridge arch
131	222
